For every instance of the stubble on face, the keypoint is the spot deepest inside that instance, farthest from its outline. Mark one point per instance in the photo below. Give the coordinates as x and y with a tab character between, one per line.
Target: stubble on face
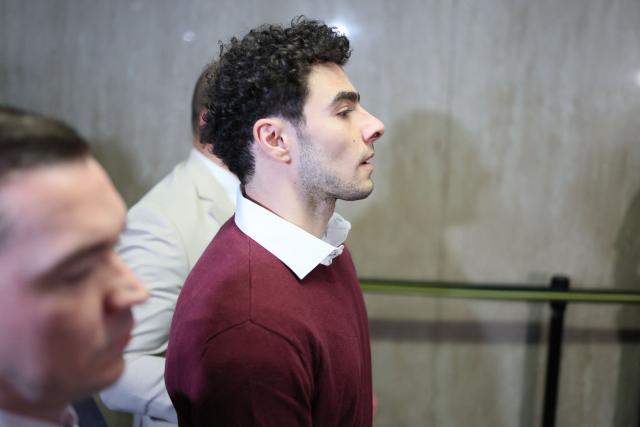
322	185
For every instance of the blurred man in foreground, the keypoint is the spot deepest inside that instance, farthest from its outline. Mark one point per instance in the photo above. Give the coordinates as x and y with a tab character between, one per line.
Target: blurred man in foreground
65	295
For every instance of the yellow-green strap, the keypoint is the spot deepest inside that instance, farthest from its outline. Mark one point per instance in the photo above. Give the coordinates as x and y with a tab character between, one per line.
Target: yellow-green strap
501	292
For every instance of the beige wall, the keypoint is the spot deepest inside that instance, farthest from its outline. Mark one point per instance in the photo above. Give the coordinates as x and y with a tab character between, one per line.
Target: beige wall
512	152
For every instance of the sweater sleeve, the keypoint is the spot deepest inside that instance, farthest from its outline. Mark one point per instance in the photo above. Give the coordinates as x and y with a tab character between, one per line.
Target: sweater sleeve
249	376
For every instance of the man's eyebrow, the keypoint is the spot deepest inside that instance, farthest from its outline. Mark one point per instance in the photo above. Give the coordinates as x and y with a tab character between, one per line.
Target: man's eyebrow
77	256
345	96
87	251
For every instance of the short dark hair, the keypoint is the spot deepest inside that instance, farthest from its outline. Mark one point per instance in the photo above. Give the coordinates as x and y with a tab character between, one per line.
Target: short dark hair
200	96
29	140
264	74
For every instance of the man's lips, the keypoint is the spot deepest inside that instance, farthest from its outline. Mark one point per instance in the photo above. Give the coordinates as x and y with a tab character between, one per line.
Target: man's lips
368	158
122	335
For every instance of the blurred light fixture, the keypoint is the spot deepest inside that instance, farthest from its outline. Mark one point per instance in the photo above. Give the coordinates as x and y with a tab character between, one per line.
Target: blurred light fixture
342	28
189	36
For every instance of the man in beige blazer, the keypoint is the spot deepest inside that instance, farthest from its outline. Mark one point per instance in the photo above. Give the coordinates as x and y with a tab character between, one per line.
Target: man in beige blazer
167	231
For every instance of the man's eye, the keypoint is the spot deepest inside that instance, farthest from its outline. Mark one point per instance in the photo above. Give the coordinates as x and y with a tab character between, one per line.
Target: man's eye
344	113
76	275
79	272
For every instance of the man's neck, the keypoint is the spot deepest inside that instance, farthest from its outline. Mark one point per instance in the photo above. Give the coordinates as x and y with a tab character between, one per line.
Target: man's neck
205	149
310	214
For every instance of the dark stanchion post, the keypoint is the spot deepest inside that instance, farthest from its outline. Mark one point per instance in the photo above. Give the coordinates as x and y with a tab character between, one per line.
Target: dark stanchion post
554	352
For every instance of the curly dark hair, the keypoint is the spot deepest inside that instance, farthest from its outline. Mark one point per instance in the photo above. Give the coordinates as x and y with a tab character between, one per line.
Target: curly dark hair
264	74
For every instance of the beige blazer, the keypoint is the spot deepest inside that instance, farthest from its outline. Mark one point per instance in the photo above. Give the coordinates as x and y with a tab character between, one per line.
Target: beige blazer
167	231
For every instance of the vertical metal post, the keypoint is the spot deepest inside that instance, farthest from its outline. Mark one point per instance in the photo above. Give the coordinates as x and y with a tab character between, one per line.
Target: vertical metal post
554	352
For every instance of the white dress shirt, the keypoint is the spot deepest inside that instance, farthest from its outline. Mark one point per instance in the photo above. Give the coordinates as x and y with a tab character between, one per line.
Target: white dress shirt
296	248
67	419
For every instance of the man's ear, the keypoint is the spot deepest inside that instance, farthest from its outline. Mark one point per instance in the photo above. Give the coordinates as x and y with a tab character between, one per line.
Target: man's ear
202	118
269	134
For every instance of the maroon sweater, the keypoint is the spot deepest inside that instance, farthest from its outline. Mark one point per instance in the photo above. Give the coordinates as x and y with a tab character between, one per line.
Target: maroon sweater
252	345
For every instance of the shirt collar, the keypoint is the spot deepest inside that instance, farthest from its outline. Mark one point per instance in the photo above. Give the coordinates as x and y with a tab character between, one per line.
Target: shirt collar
297	249
227	180
68	418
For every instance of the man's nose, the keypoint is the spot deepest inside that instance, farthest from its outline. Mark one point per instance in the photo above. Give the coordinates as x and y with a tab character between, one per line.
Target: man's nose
373	129
127	290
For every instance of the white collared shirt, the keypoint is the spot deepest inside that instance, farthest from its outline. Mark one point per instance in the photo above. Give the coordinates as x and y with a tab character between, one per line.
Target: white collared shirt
297	249
67	419
227	180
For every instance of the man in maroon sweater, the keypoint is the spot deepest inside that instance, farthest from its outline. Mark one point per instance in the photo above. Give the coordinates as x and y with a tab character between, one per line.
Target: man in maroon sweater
270	328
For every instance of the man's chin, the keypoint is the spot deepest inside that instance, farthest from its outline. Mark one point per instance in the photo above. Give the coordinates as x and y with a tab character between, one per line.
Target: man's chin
77	383
106	375
357	195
